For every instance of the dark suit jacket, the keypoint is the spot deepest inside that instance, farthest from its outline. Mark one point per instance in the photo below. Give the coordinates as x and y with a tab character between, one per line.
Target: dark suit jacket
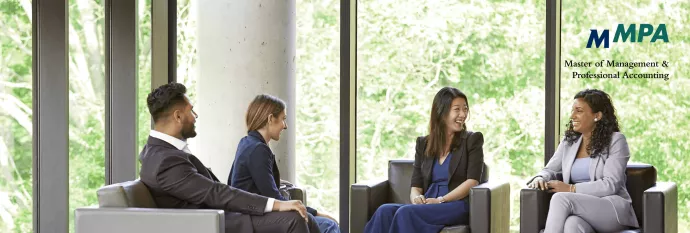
255	169
467	162
179	180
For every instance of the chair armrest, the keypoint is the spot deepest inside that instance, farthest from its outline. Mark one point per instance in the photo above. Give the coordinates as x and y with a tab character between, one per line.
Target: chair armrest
297	193
147	220
490	207
661	208
366	198
534	206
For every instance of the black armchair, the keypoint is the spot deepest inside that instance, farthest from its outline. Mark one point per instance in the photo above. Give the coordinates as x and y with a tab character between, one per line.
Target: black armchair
655	203
489	201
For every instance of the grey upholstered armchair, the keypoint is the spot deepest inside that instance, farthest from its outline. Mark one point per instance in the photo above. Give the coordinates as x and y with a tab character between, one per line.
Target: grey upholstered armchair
489	201
129	207
655	203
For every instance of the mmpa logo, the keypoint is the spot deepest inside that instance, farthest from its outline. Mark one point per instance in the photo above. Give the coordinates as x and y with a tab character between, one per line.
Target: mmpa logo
624	35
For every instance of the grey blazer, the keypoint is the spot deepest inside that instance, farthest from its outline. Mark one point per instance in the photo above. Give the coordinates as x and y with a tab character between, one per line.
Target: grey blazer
606	172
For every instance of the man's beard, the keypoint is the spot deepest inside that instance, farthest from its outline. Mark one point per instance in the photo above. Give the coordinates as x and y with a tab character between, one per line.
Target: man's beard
188	132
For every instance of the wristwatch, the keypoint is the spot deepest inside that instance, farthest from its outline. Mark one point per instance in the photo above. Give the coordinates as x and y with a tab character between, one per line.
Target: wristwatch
441	199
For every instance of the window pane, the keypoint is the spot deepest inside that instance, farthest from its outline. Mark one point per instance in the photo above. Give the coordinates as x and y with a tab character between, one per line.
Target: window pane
318	98
16	167
187	56
86	103
653	114
144	72
492	51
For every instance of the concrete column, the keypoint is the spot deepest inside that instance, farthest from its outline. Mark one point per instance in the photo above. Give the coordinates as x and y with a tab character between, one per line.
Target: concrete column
246	48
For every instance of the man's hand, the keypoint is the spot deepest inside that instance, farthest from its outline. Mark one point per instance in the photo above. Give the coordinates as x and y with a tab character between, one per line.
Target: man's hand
321	214
284	206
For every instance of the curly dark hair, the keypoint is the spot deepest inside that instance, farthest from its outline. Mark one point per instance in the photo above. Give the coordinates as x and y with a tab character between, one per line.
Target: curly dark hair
163	98
599	101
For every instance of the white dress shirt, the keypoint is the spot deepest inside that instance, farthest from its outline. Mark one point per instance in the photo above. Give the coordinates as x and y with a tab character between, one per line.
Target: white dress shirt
182	145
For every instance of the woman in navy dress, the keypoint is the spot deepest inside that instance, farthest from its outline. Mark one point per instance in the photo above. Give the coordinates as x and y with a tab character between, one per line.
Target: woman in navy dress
448	162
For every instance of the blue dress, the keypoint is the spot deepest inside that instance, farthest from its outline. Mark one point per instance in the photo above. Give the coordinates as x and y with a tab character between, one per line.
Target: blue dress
409	218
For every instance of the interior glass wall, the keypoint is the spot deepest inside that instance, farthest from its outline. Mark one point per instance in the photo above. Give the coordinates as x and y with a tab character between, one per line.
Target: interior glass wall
651	102
493	51
86	103
16	182
318	98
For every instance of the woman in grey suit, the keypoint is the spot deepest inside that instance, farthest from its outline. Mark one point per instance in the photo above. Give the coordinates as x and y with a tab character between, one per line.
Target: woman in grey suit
592	157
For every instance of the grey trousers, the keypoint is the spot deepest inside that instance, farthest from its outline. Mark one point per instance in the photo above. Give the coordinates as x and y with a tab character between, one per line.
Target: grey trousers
581	213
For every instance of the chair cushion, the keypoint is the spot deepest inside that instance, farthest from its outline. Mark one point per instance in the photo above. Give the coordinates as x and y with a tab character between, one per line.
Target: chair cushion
456	229
112	196
640	177
126	194
485	175
400	180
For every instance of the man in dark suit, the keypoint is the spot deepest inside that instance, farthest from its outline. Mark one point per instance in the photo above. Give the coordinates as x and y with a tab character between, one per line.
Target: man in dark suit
177	179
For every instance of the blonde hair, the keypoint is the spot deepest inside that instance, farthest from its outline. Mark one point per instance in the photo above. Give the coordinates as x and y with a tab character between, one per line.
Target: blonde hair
260	108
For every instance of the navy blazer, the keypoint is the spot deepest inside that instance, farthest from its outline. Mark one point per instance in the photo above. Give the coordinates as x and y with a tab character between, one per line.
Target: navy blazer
255	169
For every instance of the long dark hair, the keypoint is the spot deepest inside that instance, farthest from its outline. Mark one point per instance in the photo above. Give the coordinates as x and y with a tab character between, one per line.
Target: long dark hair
604	128
440	108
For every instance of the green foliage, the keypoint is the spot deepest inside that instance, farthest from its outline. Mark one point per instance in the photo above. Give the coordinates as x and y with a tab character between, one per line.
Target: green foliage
186	46
87	103
15	118
144	73
317	109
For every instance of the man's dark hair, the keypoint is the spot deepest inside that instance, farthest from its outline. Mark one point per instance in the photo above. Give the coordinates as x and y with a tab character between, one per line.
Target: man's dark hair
163	98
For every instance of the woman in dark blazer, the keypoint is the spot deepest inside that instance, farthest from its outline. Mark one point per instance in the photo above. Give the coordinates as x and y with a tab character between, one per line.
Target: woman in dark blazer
254	169
592	158
448	163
